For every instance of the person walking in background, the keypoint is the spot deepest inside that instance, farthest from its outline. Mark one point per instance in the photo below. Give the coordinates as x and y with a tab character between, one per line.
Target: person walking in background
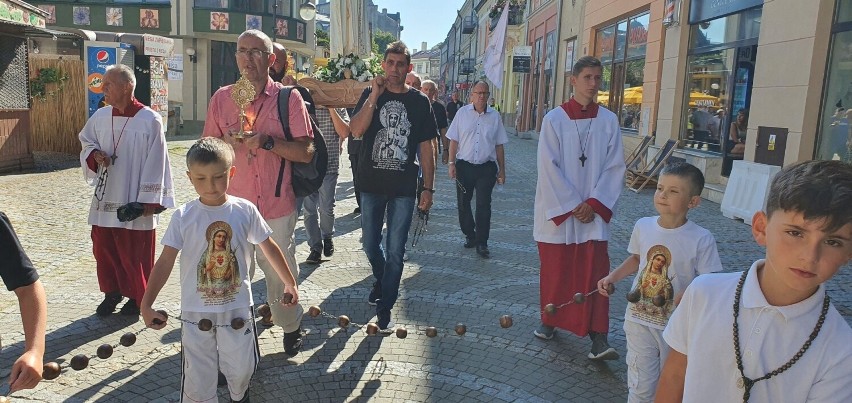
431	91
125	157
453	106
580	177
319	206
477	161
263	163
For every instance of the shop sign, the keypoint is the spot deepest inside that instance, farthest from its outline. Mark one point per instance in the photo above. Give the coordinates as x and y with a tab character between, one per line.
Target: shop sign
704	10
462	86
99	58
521	59
159	88
155	45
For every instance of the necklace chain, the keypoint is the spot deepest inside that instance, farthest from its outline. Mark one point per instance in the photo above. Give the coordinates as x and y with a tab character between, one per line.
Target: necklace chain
116	143
747	383
580	139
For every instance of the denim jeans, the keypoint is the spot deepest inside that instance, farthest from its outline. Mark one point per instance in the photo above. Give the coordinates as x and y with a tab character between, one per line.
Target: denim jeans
386	262
319	213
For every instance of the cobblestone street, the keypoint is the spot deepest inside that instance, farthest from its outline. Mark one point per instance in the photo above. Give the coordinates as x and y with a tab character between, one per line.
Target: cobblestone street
443	284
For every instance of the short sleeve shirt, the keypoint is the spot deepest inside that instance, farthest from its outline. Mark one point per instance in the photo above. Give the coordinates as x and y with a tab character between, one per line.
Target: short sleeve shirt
386	160
16	269
215	244
440	115
332	138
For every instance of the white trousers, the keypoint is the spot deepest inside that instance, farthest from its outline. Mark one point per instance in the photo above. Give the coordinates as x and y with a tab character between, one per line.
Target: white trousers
646	353
234	352
289	318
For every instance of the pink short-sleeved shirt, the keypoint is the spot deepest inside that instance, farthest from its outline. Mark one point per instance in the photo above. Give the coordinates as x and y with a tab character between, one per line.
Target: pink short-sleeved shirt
257	176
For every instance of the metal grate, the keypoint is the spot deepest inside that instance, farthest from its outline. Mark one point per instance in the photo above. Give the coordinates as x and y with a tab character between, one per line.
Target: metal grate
14	83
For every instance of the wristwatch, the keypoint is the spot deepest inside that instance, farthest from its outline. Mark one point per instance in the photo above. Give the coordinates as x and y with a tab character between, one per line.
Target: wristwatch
268	144
430	190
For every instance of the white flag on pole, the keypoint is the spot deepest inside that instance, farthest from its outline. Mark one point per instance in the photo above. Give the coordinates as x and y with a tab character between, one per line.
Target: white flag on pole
495	52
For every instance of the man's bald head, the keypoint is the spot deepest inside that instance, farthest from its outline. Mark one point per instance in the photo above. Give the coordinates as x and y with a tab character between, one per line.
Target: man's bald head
278	69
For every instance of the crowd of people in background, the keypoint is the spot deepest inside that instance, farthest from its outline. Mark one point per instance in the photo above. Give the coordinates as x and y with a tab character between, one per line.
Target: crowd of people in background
679	340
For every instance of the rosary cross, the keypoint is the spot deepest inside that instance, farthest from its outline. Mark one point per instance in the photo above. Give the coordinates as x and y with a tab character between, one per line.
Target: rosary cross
583	159
113	158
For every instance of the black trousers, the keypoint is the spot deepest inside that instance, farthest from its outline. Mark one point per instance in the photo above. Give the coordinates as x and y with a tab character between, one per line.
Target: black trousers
478	179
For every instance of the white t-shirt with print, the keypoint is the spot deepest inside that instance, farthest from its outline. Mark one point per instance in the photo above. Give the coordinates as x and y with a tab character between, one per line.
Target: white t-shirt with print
669	259
215	244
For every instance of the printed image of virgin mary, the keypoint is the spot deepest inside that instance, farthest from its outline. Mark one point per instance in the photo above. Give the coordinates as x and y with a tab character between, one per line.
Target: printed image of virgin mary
218	271
654	282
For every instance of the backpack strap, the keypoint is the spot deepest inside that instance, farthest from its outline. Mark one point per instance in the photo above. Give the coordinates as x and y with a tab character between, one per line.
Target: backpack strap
284	117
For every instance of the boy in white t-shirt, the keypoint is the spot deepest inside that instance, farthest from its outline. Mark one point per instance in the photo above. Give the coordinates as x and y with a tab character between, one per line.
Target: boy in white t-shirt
215	232
671	251
771	334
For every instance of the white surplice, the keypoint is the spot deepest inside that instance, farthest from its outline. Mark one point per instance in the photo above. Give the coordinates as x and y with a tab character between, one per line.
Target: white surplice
141	171
564	182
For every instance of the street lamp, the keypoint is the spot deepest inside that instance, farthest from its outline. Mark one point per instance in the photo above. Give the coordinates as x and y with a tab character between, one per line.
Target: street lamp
307	10
306	66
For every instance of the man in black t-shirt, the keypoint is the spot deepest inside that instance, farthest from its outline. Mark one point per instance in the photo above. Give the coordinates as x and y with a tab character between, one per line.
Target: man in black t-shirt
394	121
20	276
454	106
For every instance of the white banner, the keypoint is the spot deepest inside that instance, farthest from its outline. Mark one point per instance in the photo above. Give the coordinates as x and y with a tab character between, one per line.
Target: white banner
155	45
495	52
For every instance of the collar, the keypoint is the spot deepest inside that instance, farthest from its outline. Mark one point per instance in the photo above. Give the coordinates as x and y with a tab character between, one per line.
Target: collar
753	297
575	110
270	86
130	111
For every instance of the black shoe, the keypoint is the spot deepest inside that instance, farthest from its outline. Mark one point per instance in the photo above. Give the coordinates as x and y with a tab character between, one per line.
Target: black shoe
482	250
600	347
130	308
222	380
245	398
108	305
469	243
375	294
357	210
327	247
314	257
384	322
293	342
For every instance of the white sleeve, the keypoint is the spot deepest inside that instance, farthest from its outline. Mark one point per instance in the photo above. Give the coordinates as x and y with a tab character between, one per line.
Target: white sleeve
173	236
559	196
156	181
502	138
676	333
708	256
609	184
633	246
89	140
259	230
453	130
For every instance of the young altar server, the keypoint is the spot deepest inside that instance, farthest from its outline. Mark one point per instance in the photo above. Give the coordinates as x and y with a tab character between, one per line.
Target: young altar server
580	177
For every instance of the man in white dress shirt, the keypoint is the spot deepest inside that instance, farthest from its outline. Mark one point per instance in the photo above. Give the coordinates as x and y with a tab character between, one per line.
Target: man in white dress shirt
477	162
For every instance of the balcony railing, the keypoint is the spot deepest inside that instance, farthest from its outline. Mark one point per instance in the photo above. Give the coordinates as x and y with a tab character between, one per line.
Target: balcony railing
467	66
516	17
468	25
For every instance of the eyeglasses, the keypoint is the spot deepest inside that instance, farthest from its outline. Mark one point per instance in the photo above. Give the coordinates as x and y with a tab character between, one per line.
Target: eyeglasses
251	53
481	93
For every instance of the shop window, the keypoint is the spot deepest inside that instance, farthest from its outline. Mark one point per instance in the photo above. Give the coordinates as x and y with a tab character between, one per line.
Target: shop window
708	79
834	139
621	47
254	6
211	3
733	28
844	11
567	90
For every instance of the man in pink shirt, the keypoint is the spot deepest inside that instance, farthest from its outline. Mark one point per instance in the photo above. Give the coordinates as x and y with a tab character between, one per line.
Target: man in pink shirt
264	163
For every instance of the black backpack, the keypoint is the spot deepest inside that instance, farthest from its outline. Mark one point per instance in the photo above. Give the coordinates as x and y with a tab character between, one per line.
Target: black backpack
307	176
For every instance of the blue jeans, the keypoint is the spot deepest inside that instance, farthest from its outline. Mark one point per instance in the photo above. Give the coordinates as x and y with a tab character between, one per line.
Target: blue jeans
387	262
319	213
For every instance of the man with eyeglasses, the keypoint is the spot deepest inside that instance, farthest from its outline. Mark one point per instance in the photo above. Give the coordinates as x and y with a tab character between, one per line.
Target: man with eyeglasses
264	163
392	116
477	162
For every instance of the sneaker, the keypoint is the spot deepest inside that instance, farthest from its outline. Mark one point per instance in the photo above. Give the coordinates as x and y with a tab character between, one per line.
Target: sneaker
384	322
600	348
314	257
245	398
375	294
108	305
327	247
544	332
293	342
130	308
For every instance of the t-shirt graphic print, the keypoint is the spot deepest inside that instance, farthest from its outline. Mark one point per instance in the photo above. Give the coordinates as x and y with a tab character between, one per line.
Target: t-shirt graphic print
218	269
654	288
390	150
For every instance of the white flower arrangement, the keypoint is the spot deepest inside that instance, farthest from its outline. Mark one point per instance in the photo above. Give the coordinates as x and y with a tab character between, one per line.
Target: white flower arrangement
349	66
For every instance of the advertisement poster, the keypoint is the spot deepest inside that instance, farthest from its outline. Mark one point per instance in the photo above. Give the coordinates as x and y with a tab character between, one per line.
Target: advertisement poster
98	58
159	88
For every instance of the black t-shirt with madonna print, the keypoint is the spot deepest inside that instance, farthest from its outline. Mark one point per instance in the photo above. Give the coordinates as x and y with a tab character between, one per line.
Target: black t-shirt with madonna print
386	160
